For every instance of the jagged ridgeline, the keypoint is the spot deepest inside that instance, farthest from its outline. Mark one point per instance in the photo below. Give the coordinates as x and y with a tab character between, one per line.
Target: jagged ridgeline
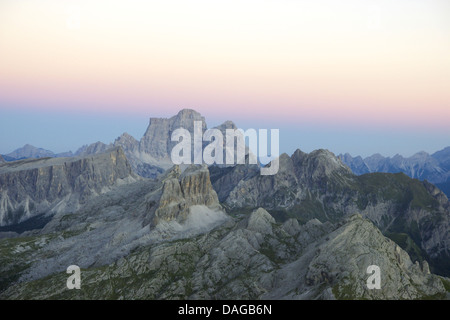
318	185
198	232
40	187
434	168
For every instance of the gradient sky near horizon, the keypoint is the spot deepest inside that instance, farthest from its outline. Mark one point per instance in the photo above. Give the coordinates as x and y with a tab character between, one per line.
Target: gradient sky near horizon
351	76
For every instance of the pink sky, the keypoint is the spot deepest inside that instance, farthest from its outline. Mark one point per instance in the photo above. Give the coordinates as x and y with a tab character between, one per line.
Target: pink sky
371	63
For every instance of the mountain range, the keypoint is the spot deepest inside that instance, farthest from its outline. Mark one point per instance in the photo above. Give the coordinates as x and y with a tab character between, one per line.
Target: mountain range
140	227
434	168
29	151
150	156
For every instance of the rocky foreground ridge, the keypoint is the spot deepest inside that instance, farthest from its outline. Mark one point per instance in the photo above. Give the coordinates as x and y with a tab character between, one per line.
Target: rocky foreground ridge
33	187
132	244
218	232
242	257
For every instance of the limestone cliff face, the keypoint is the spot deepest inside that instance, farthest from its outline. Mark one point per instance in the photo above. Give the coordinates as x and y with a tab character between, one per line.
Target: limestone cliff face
151	155
137	160
127	142
180	191
31	187
318	166
319	185
94	148
440	196
341	262
298	175
156	141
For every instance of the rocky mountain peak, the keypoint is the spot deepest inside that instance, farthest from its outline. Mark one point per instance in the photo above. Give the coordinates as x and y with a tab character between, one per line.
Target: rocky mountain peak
188	114
421	154
298	155
156	141
128	143
443	156
182	191
29	151
226	125
50	185
113	224
260	221
346	156
325	154
171	173
229	123
421	157
356	164
318	164
285	163
93	148
125	136
185	119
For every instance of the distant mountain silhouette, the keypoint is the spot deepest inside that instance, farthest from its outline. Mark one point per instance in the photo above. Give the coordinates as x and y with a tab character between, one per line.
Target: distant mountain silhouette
28	151
434	168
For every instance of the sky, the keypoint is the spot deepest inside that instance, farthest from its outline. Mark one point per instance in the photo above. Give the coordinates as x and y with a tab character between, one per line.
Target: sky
353	76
